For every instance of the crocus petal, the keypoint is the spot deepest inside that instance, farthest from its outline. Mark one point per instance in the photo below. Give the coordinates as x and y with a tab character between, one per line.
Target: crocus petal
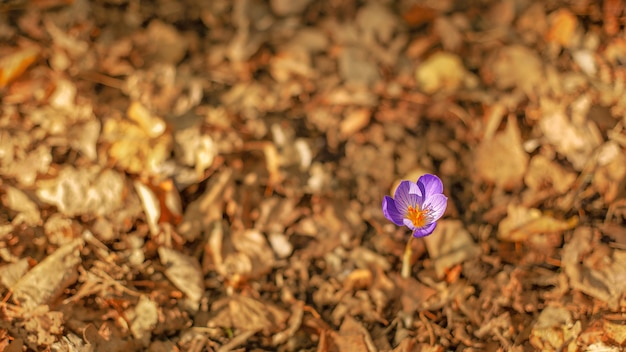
425	231
391	212
436	204
430	185
403	199
408	223
414	189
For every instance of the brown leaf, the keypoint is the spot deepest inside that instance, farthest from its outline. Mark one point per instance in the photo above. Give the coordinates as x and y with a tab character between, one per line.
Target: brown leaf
513	66
502	159
247	314
574	138
131	146
184	272
594	269
609	177
555	329
16	63
84	191
521	223
546	174
27	210
251	257
451	244
48	279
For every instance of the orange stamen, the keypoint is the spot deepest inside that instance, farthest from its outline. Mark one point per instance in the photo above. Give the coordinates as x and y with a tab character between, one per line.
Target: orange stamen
416	216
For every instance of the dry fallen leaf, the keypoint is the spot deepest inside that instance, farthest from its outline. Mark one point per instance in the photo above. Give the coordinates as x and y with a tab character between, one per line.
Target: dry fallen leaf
249	257
16	63
609	177
514	66
451	244
247	314
185	273
521	223
28	212
502	160
48	279
131	146
574	139
544	173
88	190
594	270
12	272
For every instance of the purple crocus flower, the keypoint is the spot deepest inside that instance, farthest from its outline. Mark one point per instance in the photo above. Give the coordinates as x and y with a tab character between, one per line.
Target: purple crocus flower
417	206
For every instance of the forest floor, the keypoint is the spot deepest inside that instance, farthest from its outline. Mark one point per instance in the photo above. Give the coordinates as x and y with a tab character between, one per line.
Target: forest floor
208	175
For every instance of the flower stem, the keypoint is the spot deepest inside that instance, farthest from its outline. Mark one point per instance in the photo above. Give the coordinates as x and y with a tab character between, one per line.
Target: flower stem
406	259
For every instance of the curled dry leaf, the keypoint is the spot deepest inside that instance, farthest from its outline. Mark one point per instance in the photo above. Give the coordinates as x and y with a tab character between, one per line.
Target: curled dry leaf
522	222
14	64
48	279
